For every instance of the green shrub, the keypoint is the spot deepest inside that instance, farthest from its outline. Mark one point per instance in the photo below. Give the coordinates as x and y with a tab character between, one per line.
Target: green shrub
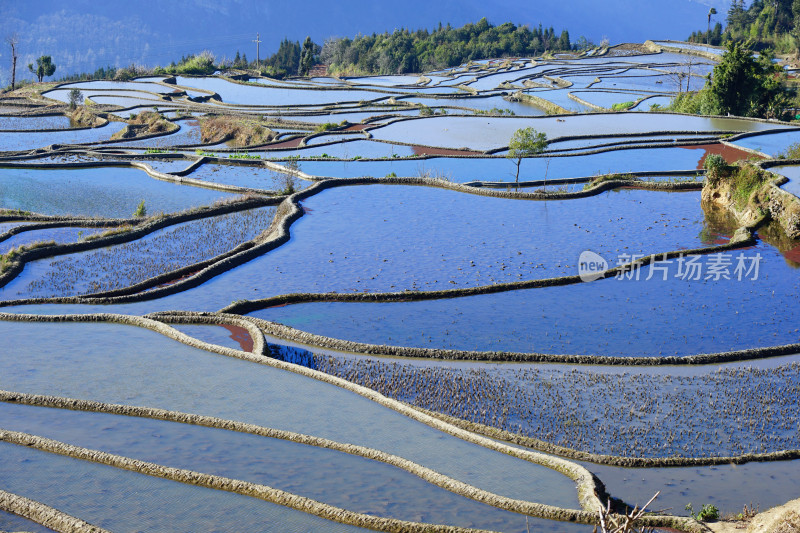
243	155
715	163
791	152
201	64
707	512
699	103
325	126
622	106
141	210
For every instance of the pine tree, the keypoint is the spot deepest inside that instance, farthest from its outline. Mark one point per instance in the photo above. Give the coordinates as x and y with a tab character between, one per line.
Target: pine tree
306	57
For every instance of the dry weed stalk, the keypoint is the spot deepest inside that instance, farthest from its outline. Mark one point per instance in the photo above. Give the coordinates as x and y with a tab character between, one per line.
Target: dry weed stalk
627	523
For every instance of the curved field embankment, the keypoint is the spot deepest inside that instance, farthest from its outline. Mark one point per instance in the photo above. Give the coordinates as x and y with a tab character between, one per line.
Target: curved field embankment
146	227
277	234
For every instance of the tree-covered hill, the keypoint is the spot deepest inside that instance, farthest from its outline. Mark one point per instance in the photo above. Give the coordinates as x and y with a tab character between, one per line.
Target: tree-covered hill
422	50
763	24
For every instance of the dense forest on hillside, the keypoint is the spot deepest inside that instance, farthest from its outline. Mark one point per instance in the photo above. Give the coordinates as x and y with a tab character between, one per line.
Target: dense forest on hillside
764	24
418	51
399	52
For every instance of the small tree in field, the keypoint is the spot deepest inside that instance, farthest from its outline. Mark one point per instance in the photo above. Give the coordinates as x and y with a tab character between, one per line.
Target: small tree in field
524	143
75	98
44	67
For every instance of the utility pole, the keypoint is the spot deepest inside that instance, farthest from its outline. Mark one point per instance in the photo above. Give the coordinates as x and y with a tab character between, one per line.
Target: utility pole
258	42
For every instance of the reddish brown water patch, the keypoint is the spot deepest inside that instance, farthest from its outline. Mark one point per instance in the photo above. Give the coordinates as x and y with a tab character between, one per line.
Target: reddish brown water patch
793	256
172	281
241	336
359	127
427	150
291	143
730	153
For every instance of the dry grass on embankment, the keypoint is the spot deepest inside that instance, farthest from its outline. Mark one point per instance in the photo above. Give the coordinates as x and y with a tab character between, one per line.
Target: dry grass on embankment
145	123
242	131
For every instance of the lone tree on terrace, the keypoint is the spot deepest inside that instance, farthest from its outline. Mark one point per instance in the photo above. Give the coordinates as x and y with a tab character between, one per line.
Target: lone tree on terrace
75	98
524	143
13	41
44	67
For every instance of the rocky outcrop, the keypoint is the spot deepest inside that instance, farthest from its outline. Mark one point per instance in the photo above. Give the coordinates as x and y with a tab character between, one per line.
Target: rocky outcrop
753	195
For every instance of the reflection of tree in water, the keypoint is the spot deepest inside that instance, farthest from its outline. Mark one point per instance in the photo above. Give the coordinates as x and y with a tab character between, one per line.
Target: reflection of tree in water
772	233
719	225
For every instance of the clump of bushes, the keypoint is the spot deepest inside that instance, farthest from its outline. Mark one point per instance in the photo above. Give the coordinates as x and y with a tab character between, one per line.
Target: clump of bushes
716	167
201	64
426	111
791	152
325	126
622	106
131	71
706	513
495	111
740	85
243	155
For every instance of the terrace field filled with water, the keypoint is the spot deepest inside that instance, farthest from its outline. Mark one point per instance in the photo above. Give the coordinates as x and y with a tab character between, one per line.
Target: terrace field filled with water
342	303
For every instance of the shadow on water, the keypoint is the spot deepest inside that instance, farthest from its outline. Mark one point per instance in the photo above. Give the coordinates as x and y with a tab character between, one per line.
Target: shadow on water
291	354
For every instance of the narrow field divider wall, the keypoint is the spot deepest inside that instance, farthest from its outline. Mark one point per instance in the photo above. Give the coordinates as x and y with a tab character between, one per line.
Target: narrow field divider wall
45	515
254	490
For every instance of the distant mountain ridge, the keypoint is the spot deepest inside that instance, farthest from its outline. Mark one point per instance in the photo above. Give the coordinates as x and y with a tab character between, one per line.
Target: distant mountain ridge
83	35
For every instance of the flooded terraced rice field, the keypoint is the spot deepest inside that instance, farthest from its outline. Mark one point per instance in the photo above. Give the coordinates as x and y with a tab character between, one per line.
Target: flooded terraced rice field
356	315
